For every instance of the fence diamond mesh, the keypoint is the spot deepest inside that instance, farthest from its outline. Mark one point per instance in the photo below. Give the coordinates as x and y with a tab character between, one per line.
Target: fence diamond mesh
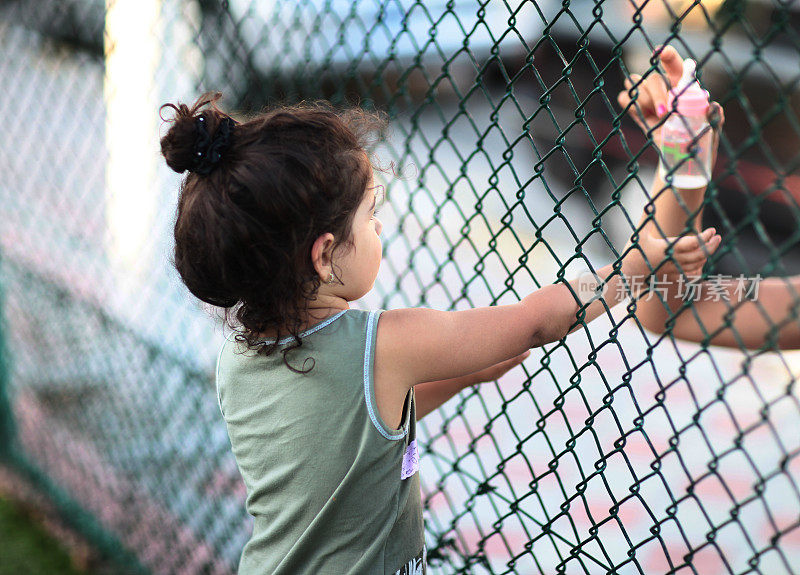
614	450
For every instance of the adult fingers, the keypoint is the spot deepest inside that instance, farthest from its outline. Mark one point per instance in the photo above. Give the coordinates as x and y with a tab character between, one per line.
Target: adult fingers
702	252
716	116
631	80
657	95
673	64
689	243
623	99
694	241
639	110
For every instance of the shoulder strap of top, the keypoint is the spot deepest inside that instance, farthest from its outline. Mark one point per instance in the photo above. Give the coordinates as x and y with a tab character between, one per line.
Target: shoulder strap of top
216	372
369	382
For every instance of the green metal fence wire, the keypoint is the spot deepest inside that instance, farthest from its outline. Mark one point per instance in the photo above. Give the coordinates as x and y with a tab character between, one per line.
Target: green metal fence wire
614	450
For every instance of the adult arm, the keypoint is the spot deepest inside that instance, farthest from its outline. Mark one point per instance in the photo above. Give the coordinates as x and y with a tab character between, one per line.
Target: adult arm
727	318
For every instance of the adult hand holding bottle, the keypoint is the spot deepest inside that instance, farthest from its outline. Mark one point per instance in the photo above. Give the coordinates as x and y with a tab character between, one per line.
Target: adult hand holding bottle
675	112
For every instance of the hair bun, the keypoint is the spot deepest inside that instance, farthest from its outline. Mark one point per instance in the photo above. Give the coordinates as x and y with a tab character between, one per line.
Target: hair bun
196	142
208	149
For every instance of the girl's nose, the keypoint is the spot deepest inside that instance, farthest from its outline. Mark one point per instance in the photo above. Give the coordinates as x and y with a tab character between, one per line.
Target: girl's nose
378	226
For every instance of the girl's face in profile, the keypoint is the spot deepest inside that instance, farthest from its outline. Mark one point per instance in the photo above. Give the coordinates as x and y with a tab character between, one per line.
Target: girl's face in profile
357	268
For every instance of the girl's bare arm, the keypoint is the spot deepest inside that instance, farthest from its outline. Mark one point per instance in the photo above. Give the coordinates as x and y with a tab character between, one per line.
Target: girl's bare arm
432	394
419	344
416	345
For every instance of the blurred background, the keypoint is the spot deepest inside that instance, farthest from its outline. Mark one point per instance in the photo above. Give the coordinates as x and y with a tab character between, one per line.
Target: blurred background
614	450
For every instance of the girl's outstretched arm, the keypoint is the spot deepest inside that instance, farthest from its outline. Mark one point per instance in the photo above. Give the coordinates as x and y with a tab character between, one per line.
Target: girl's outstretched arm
417	345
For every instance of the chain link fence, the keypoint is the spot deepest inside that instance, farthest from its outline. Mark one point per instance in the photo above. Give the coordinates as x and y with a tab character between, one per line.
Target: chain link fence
612	451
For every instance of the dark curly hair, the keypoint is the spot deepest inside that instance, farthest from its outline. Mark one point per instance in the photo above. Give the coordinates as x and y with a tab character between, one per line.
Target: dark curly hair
244	229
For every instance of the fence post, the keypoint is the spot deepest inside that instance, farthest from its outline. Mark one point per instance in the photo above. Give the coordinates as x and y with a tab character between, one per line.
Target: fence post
7	425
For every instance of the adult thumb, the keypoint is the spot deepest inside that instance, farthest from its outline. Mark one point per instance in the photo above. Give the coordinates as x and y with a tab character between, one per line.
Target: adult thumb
672	63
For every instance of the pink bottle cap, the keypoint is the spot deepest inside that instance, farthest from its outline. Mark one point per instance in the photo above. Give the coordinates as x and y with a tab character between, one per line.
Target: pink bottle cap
692	100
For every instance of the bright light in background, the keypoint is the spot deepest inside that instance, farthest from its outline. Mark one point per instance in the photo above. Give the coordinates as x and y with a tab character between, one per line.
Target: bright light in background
665	11
132	53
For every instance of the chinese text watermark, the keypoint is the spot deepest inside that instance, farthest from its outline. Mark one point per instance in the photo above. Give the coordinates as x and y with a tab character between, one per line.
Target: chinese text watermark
716	287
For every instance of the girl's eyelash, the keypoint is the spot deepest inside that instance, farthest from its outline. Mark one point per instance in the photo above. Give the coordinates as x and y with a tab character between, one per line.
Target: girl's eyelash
380	194
380	197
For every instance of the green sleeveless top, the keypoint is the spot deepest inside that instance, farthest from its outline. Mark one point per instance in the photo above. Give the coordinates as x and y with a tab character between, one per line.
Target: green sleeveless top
331	487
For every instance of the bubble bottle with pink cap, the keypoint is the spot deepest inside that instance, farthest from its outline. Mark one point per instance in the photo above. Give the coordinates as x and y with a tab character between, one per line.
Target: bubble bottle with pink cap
686	138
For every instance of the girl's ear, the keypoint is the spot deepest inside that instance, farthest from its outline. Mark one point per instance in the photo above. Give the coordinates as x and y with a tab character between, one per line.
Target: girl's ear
321	253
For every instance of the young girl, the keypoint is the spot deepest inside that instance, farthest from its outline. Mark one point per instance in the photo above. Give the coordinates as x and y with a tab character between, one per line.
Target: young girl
276	224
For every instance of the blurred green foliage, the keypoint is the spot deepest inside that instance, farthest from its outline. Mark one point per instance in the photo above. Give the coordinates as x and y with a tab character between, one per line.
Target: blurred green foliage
26	548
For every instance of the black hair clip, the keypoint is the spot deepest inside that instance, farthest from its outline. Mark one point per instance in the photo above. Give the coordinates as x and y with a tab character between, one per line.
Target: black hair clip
208	150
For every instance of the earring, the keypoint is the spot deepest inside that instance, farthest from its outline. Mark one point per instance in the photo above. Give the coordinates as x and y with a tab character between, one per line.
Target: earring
330	280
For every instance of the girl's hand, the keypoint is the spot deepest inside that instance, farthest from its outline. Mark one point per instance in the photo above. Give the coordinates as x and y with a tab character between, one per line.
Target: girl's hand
496	371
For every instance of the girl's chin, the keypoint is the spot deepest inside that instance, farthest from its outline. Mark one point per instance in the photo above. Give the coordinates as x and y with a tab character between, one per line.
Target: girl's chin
361	293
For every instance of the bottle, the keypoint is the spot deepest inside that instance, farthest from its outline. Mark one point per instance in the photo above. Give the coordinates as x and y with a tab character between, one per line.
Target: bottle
686	137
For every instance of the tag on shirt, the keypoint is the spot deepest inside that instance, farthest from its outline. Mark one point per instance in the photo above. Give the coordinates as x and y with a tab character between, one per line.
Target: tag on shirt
410	461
